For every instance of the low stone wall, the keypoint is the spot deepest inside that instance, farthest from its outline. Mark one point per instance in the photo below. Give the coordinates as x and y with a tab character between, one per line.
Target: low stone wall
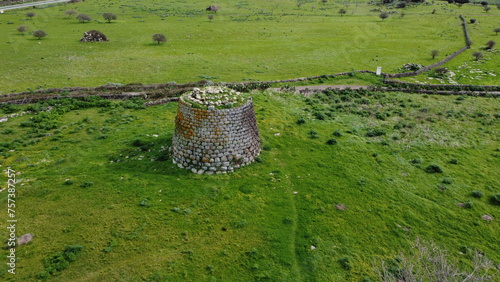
215	140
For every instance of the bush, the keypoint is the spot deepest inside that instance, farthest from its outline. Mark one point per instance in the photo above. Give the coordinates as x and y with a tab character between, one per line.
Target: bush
433	168
345	262
313	134
446	181
337	133
60	260
375	132
331	141
454	161
300	121
477	194
495	199
86	184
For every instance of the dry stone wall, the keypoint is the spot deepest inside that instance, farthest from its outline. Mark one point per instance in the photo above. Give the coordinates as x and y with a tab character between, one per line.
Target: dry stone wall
208	141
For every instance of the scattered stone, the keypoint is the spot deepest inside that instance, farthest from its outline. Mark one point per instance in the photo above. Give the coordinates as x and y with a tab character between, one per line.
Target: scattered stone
487	217
25	239
340	207
93	36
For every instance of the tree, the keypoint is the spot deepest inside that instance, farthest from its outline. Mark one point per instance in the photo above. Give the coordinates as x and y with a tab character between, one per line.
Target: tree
324	1
496	30
30	15
39	34
487	8
158	37
383	15
70	12
210	17
477	55
342	12
82	18
434	53
490	44
22	29
109	17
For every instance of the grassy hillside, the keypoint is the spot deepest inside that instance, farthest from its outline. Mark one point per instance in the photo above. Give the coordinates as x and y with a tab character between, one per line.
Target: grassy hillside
257	40
310	209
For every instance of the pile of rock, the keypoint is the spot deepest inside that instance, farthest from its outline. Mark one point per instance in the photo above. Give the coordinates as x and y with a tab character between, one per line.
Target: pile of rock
217	96
93	36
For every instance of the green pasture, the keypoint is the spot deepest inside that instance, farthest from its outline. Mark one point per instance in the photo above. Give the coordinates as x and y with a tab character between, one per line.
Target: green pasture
310	209
246	40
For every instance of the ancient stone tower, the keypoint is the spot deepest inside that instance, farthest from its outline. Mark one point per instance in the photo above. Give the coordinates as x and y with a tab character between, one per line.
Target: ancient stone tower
215	131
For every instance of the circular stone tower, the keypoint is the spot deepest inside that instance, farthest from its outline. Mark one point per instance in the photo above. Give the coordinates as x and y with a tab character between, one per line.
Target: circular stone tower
215	131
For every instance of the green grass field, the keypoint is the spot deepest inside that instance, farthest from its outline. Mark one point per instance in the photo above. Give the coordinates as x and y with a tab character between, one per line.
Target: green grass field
89	182
258	40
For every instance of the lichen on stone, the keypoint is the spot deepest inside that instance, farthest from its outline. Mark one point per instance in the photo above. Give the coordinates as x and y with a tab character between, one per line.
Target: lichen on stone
218	97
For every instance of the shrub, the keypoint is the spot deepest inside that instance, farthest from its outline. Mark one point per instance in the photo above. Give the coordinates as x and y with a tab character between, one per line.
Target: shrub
313	134
495	199
446	181
68	182
374	132
472	21
497	30
60	260
477	194
300	121
331	141
454	161
337	133
30	15
86	184
467	205
383	15
433	168
345	262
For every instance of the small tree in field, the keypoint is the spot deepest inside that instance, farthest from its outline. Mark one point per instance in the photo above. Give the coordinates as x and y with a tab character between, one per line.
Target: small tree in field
211	17
383	15
490	44
342	12
477	55
496	30
22	29
158	37
109	17
39	34
30	15
70	12
487	9
434	53
83	18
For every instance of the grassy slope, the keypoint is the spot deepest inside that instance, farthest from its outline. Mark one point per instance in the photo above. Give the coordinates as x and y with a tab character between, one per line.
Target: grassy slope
273	211
261	40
